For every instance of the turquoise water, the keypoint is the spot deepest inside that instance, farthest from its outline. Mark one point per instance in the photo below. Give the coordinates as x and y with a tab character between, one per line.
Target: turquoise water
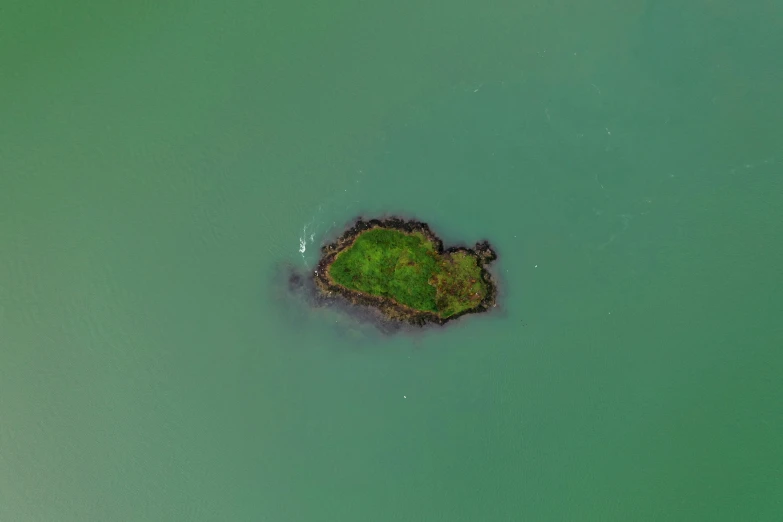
163	165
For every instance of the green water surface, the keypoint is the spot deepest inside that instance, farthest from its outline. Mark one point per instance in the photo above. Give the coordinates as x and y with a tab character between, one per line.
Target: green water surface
164	164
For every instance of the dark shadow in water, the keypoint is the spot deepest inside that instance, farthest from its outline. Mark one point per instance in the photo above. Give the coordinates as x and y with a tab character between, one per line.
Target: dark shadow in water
299	302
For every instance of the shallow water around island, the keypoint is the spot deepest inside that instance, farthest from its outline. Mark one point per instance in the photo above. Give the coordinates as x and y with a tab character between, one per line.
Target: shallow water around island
163	168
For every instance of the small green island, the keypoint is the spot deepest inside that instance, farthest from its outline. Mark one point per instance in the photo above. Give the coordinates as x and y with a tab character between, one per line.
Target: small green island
401	268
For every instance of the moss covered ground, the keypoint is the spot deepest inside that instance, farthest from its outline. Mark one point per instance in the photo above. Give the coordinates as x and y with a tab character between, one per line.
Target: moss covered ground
407	268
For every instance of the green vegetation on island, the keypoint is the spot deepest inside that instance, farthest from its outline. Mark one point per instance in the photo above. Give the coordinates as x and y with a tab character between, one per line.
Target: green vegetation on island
408	269
401	268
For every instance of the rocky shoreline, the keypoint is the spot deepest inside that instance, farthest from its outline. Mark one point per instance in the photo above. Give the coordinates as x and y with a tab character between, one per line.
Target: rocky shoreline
389	308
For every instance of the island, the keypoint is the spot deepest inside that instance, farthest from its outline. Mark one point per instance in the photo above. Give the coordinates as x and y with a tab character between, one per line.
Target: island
401	268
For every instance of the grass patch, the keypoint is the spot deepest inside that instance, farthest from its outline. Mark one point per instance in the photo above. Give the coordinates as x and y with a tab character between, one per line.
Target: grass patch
408	269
